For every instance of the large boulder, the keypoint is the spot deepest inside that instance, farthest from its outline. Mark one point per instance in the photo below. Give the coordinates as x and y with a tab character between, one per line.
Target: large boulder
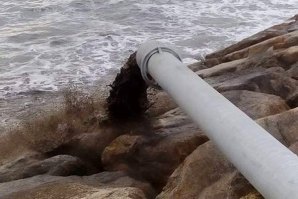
102	185
206	174
28	166
293	71
283	126
153	157
255	104
161	103
271	81
88	146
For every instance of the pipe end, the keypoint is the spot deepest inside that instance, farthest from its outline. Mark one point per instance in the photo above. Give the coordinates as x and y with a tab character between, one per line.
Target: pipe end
146	51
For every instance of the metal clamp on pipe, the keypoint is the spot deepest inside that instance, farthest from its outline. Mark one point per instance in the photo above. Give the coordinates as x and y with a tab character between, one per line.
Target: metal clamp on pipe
267	164
144	54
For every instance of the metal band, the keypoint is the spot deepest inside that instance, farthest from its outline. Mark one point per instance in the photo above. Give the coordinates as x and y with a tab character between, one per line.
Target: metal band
145	61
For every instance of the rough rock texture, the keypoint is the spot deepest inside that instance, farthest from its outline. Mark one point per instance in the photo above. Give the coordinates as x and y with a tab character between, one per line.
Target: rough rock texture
283	126
88	146
152	157
101	185
61	165
161	103
256	105
206	174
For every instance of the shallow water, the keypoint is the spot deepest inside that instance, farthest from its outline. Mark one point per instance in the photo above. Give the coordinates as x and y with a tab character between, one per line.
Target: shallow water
48	44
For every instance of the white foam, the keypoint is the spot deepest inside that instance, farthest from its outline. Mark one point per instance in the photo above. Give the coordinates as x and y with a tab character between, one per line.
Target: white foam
189	61
46	45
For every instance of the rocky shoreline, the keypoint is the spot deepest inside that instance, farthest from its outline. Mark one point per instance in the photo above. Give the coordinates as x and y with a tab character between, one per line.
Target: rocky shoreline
165	155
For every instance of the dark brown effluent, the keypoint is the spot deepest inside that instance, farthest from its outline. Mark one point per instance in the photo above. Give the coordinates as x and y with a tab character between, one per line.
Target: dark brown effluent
128	94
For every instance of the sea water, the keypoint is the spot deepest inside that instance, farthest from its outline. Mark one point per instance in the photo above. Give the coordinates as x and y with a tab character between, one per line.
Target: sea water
48	44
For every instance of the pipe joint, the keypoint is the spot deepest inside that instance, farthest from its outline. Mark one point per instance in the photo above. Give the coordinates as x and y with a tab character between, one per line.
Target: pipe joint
145	52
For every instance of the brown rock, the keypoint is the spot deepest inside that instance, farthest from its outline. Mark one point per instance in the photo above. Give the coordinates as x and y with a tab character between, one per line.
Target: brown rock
293	100
289	55
283	126
100	185
116	193
267	59
206	174
232	185
256	105
61	165
221	68
257	48
162	103
152	157
173	119
88	146
259	37
253	195
293	71
203	64
272	81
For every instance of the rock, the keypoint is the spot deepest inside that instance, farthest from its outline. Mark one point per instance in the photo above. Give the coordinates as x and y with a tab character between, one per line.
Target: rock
271	81
253	195
153	157
294	148
116	193
173	119
269	36
200	65
256	105
206	174
232	185
289	55
88	146
61	165
293	100
221	68
283	126
293	71
99	185
267	59
162	103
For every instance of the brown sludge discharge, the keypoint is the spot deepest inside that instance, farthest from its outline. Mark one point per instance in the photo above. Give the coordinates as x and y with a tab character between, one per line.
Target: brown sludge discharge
128	96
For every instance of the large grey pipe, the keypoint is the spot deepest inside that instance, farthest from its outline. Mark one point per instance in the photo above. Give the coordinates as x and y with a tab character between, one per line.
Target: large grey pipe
268	165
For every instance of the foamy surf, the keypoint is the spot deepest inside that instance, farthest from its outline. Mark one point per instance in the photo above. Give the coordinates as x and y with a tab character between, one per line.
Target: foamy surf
46	45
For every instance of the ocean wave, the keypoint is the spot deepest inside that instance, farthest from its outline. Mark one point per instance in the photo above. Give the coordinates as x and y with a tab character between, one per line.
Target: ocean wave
45	45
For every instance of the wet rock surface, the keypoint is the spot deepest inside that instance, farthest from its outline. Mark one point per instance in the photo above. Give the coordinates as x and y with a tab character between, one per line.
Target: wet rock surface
152	157
255	104
151	148
210	173
104	184
60	165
